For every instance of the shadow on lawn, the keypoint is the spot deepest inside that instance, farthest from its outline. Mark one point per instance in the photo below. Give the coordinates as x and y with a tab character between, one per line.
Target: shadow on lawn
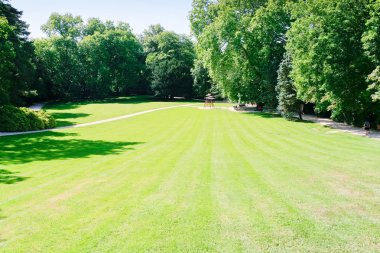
67	118
267	115
61	118
76	104
8	177
123	100
48	146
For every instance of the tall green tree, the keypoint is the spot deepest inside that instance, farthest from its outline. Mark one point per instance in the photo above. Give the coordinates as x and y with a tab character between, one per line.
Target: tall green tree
329	64
94	25
112	61
93	60
371	44
21	72
66	26
59	62
242	43
148	38
288	104
170	63
7	55
203	84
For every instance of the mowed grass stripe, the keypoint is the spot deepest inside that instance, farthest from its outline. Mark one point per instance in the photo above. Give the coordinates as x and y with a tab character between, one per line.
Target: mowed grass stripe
197	181
170	211
282	213
148	187
316	184
84	174
56	170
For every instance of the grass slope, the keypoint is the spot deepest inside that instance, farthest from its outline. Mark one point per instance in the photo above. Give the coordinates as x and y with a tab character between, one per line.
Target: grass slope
71	113
189	180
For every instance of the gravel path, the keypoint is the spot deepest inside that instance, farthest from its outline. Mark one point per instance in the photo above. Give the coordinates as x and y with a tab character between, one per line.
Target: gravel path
341	127
93	123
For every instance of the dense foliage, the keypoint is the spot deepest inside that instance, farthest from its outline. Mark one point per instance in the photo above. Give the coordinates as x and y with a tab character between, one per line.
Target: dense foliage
241	43
13	119
203	84
7	56
169	59
371	44
329	63
95	60
288	104
16	56
334	46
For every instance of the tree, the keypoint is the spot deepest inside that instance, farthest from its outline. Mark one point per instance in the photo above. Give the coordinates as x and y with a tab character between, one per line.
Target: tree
329	65
241	43
288	104
20	66
7	56
59	64
94	25
371	45
148	38
170	64
105	60
112	62
65	25
202	81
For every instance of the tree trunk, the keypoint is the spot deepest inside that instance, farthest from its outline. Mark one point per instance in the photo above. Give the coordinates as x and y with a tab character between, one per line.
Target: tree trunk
300	112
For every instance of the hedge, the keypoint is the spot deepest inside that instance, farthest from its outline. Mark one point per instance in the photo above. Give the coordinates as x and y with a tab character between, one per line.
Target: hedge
14	119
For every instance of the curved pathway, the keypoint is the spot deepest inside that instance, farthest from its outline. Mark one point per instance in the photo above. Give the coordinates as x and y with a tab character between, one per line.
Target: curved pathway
93	123
341	127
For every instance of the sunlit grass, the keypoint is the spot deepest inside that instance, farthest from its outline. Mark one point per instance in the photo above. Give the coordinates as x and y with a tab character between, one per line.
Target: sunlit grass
189	180
71	113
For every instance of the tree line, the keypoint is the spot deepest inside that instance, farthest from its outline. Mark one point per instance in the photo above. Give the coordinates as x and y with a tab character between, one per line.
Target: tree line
281	53
288	52
93	59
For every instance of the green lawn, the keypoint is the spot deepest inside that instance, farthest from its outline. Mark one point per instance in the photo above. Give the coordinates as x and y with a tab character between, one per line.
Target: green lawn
71	113
188	180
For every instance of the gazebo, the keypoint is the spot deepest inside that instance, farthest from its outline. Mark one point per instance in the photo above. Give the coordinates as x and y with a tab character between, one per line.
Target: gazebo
209	101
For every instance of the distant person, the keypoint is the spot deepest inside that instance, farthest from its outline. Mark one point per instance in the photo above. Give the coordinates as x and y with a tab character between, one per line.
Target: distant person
367	127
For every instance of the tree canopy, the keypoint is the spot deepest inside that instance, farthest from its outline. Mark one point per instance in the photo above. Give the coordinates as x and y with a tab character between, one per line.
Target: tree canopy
170	58
241	43
93	60
331	48
16	66
334	47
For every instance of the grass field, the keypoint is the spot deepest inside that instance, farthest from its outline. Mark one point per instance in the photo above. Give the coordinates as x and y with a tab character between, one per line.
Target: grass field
71	113
188	180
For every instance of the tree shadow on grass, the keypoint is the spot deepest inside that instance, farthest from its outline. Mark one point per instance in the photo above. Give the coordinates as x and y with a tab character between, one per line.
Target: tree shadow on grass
267	115
69	105
50	146
8	177
62	105
61	118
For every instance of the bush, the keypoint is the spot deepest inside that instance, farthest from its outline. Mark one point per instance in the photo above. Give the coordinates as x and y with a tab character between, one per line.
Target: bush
13	119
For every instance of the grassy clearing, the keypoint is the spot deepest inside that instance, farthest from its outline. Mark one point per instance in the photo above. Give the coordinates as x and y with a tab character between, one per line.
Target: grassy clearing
71	113
189	180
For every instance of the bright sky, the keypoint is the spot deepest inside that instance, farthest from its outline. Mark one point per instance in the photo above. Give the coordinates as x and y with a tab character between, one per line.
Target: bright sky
171	14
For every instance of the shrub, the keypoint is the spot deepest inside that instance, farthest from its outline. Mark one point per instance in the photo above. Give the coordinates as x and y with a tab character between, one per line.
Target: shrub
13	119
